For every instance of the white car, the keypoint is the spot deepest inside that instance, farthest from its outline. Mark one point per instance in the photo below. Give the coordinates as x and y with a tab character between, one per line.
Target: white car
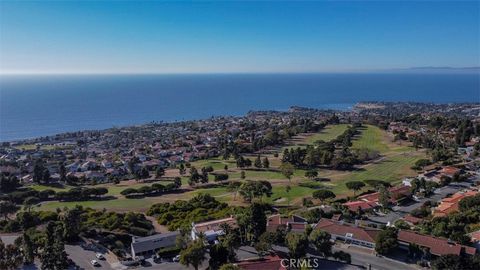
95	263
176	258
100	256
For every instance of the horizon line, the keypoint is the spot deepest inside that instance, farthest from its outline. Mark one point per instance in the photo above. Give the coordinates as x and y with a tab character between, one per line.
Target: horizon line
389	70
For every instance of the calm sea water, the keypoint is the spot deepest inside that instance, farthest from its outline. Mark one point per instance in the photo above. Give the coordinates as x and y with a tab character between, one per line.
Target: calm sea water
32	106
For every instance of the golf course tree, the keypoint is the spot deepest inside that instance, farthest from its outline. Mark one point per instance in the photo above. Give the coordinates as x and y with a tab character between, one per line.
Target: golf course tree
321	241
258	162
287	170
265	163
194	254
250	190
386	240
355	186
377	183
323	195
311	174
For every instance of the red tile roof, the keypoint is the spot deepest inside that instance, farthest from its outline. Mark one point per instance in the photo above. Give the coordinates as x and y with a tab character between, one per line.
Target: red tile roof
332	227
412	219
355	205
451	204
276	220
450	171
267	263
395	194
437	246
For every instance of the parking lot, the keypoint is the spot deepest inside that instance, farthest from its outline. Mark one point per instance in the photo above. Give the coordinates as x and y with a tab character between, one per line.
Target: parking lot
82	257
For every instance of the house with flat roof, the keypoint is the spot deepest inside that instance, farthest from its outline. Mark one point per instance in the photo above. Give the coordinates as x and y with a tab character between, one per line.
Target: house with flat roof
150	244
212	229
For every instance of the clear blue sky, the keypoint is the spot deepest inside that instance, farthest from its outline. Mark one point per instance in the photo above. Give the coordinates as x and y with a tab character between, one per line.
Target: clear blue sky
163	37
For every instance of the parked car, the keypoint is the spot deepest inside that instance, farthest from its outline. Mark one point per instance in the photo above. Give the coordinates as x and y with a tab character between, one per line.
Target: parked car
176	258
95	263
100	256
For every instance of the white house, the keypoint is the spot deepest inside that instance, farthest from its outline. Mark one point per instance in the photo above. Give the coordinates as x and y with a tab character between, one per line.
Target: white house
211	229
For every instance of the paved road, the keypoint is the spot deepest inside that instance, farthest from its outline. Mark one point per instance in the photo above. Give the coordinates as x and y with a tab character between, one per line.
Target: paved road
364	257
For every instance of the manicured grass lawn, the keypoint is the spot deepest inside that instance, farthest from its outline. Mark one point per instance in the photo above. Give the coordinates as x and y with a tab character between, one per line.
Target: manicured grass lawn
374	138
115	190
295	195
218	164
329	133
54	188
392	169
112	205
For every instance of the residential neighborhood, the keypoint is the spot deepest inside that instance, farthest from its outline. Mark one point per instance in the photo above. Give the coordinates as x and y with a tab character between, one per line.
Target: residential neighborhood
270	190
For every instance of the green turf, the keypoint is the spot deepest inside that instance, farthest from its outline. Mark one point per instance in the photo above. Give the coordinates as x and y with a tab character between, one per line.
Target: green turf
45	187
374	138
295	194
327	134
392	169
113	205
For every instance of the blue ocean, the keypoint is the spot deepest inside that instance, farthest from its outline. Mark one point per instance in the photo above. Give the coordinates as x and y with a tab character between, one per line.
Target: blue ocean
32	106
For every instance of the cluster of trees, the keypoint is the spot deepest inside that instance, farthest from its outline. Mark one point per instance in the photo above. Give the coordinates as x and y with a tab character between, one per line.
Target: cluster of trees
323	195
220	176
421	164
81	193
154	189
41	173
466	129
181	214
386	240
311	156
230	142
128	223
48	247
261	163
455	262
8	183
355	186
243	162
250	190
21	195
423	186
196	177
62	227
